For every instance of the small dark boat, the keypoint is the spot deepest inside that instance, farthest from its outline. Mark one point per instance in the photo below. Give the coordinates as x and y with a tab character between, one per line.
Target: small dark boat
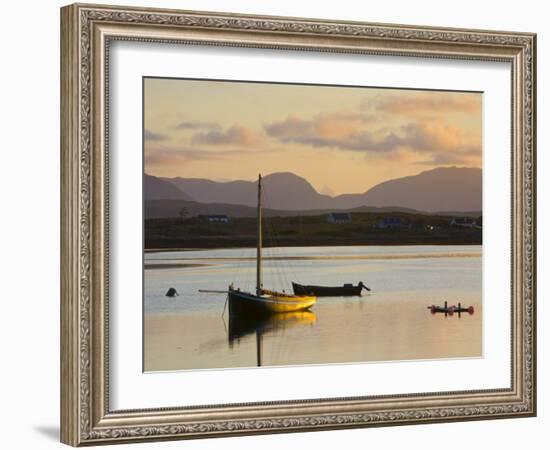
329	291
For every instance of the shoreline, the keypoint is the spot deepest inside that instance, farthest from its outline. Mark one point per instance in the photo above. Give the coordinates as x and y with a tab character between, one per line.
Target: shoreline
314	258
282	245
198	249
154	266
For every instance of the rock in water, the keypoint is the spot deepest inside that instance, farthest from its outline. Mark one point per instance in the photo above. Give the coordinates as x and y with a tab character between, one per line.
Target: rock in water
172	292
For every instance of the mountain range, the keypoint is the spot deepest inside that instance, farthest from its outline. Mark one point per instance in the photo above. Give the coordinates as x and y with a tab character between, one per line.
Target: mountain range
158	189
444	189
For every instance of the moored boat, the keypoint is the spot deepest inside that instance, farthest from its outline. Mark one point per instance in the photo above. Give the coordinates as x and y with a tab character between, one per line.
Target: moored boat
346	290
263	302
268	302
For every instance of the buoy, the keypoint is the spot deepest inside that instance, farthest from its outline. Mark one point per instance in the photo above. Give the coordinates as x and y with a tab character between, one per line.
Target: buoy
172	292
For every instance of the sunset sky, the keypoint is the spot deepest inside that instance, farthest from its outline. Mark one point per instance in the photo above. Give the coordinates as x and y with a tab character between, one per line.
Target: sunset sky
341	139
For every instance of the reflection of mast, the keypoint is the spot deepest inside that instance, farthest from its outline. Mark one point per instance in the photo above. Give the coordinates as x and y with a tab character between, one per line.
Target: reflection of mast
240	327
259	347
259	241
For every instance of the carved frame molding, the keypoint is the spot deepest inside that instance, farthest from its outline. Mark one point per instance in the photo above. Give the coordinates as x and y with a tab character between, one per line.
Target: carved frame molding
86	33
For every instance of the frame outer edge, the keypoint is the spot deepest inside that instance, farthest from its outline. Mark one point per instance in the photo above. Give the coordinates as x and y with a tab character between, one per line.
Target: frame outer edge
535	347
82	411
533	230
70	299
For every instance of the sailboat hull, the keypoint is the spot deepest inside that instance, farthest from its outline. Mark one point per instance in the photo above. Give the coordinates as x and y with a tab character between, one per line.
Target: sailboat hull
247	304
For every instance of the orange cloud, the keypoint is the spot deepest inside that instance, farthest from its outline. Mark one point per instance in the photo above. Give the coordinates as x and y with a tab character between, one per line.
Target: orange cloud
323	130
195	125
436	136
430	137
236	135
336	125
431	103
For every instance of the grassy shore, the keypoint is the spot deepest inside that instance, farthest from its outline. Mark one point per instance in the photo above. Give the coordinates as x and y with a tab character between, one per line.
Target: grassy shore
364	229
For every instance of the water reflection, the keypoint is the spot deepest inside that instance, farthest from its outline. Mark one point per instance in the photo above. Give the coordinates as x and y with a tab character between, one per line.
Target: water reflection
187	332
239	327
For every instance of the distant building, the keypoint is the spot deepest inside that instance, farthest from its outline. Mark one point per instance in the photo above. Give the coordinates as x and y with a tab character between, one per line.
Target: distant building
463	222
392	222
220	218
336	217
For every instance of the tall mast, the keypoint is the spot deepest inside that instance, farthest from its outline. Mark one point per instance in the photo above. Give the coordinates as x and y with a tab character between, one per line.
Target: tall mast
259	241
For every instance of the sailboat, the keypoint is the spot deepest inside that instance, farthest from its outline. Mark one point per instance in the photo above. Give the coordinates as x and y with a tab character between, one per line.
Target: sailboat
264	302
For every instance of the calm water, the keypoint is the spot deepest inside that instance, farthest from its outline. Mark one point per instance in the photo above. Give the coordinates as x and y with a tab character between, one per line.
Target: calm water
390	323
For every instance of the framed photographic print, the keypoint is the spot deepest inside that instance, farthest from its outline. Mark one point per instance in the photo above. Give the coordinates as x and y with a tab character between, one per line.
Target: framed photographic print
275	225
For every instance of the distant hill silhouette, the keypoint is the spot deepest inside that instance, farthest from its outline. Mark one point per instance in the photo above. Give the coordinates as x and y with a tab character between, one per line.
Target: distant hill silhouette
441	189
282	191
445	189
438	190
158	189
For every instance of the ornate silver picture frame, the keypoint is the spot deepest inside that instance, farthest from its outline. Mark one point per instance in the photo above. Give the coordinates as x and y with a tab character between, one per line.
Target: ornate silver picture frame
87	34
